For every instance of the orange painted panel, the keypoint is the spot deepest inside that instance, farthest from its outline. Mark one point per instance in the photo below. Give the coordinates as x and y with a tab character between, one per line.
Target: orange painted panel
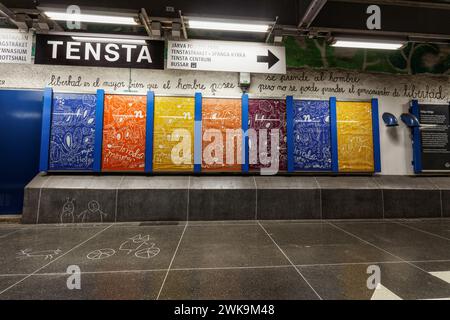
124	133
222	114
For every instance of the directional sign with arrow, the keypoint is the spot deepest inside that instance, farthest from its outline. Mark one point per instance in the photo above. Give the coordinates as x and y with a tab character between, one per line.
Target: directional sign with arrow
271	59
226	56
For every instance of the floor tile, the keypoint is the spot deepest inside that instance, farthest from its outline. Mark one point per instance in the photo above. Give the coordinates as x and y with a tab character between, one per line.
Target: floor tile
246	284
124	247
401	241
438	227
227	246
117	286
322	244
27	250
7	281
350	281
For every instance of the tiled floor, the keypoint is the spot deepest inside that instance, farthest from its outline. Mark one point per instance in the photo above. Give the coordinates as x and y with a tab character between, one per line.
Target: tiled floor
229	260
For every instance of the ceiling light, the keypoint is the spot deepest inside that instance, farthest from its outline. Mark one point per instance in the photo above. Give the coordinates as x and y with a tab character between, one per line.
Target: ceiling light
227	26
368	44
110	40
93	18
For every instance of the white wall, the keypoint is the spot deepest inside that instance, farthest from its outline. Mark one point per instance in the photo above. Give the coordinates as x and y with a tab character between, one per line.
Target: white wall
396	149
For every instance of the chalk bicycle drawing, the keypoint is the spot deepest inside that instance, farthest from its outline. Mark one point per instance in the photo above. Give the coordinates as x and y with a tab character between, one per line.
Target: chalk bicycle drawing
138	245
101	254
46	254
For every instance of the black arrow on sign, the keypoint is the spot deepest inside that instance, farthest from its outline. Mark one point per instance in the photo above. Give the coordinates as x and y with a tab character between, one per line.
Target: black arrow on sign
271	59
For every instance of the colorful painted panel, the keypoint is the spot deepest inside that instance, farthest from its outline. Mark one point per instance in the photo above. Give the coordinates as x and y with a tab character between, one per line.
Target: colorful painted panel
171	115
355	136
72	132
269	115
124	133
218	116
312	135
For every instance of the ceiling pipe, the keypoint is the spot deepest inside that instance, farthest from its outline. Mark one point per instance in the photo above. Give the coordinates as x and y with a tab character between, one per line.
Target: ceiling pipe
18	21
311	13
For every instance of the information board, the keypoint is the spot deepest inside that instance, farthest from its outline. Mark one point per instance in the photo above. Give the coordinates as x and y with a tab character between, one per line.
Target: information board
435	135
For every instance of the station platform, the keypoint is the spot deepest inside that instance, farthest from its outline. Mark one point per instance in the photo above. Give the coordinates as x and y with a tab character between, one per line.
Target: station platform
82	199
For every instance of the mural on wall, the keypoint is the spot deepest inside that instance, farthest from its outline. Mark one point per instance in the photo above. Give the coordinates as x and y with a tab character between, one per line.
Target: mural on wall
268	114
172	114
124	133
72	132
312	135
220	115
414	58
355	136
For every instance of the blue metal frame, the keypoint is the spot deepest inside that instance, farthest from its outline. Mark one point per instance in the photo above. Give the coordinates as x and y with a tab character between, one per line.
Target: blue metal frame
149	132
198	137
376	136
334	136
99	131
245	145
290	132
417	141
45	133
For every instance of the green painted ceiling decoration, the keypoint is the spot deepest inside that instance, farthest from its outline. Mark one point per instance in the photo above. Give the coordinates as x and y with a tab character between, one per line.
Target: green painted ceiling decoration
414	58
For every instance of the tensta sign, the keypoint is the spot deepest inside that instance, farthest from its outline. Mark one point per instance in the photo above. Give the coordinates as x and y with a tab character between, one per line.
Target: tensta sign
99	52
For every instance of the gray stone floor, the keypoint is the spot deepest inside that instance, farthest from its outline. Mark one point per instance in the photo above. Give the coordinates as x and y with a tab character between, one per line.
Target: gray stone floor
228	260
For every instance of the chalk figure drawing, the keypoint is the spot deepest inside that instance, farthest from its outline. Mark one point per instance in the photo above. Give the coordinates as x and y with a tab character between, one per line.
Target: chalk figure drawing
270	115
68	210
124	133
312	135
222	114
139	245
46	254
72	132
93	213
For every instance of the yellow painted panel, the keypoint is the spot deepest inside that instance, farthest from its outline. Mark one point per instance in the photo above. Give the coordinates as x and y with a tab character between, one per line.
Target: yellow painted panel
172	113
355	137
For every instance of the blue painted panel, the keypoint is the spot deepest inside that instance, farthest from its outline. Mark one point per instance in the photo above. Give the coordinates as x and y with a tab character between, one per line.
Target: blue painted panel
312	135
20	139
73	131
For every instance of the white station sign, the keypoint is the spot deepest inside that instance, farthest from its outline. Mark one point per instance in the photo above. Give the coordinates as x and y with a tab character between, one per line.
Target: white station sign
226	56
15	46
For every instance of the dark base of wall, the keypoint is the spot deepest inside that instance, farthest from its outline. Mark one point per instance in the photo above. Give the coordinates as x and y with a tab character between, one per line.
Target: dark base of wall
74	199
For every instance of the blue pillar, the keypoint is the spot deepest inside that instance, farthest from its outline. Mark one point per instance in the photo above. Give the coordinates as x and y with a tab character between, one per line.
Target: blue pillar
99	131
45	133
198	137
149	132
334	136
